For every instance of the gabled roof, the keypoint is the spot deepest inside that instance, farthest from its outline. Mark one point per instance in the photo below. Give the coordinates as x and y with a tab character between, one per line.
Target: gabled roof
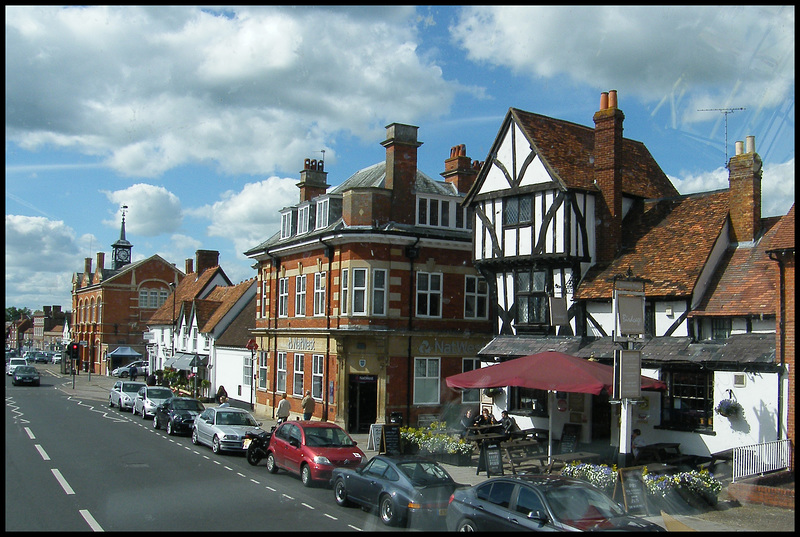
784	235
239	332
744	284
190	287
670	244
221	300
567	150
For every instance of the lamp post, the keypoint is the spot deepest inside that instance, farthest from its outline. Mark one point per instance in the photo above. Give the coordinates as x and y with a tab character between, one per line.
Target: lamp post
253	347
172	331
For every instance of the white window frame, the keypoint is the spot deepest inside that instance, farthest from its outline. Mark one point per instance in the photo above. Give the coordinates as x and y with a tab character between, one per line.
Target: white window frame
319	293
317	370
247	371
359	291
427	295
425	380
477	295
280	378
438	212
286	225
283	297
323	206
379	292
470	395
344	294
298	373
300	296
303	214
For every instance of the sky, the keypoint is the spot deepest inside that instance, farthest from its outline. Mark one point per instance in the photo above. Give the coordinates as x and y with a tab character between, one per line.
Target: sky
199	119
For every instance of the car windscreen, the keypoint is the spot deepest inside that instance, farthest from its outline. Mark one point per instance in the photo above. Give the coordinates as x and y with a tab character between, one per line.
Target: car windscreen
235	418
327	437
159	393
574	504
18	361
424	473
188	405
25	369
130	387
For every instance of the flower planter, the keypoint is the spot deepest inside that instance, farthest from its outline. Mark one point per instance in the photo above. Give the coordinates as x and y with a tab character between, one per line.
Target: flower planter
453	459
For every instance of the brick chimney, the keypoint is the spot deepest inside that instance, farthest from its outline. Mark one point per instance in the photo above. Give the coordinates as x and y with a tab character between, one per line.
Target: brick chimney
744	177
459	170
189	265
87	265
101	260
401	170
313	179
607	162
206	259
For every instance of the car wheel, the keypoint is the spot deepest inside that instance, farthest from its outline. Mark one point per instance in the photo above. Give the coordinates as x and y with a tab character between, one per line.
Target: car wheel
387	511
155	422
124	374
466	525
110	403
170	430
340	493
195	440
144	413
271	466
215	444
305	476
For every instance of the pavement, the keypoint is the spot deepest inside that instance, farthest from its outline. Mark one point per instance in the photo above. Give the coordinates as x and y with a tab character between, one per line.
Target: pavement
729	515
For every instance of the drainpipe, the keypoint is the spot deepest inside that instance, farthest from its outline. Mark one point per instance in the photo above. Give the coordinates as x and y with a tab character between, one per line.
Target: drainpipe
326	401
782	343
412	252
276	263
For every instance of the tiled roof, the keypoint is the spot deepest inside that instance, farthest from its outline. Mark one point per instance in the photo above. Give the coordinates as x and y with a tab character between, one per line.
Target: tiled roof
375	176
223	298
187	290
239	332
784	235
744	283
669	244
568	150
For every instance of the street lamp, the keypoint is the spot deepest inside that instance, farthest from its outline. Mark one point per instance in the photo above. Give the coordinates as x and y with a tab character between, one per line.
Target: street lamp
172	331
253	347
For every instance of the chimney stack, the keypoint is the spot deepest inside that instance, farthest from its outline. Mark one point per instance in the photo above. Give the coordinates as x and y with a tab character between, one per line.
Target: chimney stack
608	177
189	265
744	178
87	265
101	260
313	179
459	170
401	170
206	259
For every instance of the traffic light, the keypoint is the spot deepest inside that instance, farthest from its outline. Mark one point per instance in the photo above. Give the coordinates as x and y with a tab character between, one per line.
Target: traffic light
72	350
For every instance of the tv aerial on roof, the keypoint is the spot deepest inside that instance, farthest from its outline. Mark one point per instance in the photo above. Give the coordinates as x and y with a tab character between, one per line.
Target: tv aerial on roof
725	111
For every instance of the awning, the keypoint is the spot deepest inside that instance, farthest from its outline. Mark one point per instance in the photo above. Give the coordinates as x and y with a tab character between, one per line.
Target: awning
124	352
184	361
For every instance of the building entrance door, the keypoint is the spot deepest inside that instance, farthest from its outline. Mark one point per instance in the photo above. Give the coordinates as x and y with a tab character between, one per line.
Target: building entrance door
362	403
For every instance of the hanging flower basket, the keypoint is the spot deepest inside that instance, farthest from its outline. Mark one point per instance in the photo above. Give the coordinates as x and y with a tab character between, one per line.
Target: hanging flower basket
729	408
492	392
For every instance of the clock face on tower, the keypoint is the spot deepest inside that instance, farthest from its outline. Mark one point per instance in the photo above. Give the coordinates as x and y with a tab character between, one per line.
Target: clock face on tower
123	255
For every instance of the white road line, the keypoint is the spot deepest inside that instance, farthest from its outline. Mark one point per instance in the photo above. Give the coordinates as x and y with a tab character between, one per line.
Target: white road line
254	481
42	452
272	489
331	516
306	505
87	516
241	474
62	481
287	496
355	528
30	433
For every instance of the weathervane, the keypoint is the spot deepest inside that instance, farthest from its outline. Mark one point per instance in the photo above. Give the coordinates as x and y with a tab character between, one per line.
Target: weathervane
725	111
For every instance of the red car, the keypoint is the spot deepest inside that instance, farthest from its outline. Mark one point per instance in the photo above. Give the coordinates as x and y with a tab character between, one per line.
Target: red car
312	449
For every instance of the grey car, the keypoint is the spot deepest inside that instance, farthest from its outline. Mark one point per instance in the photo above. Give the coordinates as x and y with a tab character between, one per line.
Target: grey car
148	398
123	393
142	369
223	429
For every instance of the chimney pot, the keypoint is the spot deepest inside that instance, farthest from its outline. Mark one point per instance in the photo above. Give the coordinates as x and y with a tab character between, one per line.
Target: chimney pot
739	148
750	144
604	100
612	99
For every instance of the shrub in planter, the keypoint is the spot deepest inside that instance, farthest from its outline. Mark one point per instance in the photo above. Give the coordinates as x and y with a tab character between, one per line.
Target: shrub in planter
729	408
433	441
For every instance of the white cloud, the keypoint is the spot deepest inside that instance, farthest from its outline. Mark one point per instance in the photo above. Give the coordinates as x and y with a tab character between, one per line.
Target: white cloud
151	210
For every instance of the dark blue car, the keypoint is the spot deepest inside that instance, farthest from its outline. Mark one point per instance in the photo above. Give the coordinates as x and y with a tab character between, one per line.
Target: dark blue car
177	415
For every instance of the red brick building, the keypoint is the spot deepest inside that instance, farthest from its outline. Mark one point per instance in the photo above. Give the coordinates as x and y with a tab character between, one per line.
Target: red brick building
367	294
111	306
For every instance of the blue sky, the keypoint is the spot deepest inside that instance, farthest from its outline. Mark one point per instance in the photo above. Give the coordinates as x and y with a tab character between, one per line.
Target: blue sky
199	119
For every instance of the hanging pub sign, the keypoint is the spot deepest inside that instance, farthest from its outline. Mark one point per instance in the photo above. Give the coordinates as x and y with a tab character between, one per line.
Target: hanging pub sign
627	374
629	305
558	311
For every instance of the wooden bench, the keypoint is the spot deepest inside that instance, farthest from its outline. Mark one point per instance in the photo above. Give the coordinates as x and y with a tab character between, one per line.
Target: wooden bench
523	456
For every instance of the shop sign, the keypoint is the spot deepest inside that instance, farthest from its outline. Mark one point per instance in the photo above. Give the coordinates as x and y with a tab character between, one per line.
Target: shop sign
445	346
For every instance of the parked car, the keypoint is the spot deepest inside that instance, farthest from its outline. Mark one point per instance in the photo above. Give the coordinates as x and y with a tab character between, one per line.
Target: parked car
539	503
223	429
14	363
177	414
57	358
142	369
25	374
312	449
404	490
41	358
123	393
148	398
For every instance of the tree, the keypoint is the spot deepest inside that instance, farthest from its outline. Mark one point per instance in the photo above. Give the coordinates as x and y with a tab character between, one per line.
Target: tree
15	314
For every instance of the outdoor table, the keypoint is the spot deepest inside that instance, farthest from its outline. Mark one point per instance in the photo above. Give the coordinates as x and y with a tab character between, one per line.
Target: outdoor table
659	452
569	457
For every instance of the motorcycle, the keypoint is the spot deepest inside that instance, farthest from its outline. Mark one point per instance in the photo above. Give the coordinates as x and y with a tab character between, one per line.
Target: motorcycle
256	445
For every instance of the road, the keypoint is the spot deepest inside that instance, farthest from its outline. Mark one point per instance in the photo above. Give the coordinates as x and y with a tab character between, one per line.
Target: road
77	465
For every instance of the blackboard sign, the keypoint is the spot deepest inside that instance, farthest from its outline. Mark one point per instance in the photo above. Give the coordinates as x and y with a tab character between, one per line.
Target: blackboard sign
375	435
569	438
631	486
494	462
390	441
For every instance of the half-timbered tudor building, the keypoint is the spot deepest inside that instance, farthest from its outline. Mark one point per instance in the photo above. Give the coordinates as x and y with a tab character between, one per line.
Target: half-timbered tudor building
562	211
367	294
111	306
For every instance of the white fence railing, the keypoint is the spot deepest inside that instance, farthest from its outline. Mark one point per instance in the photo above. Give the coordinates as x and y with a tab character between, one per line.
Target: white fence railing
757	459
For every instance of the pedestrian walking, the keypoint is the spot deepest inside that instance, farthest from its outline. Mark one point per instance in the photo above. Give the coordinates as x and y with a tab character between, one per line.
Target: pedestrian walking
308	405
221	393
134	372
283	410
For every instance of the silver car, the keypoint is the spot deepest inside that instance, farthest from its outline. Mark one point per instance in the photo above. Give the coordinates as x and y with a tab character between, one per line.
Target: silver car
148	398
223	428
123	393
14	363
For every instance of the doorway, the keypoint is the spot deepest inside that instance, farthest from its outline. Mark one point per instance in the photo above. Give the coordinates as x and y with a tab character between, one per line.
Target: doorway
601	417
362	403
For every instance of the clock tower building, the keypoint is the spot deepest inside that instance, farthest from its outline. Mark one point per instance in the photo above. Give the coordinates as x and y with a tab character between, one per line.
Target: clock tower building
121	250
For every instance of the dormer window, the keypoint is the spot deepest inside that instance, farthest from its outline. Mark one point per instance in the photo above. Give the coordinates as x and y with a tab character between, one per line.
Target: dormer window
322	213
302	219
286	225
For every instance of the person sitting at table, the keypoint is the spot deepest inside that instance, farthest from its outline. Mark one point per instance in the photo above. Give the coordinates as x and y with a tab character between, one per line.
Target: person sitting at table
509	424
637	443
486	418
467	421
